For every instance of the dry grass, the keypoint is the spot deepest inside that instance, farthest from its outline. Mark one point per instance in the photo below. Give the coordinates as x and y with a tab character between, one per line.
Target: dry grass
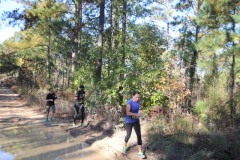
189	139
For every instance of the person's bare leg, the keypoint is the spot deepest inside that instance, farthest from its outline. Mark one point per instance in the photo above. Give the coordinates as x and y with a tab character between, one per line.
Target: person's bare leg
140	148
52	115
53	110
125	144
47	114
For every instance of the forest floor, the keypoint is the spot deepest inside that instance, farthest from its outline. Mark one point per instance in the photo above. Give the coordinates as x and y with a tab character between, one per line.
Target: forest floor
102	140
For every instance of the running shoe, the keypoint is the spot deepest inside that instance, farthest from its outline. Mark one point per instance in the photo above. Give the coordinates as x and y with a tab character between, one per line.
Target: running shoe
124	150
74	125
141	155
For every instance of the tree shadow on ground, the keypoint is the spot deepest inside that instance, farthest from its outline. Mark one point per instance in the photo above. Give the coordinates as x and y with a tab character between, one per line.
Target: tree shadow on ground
97	127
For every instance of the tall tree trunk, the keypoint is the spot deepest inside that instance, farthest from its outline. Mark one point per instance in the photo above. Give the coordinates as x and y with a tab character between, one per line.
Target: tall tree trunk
100	42
214	65
231	86
192	70
113	57
124	30
49	52
68	72
232	103
113	24
76	52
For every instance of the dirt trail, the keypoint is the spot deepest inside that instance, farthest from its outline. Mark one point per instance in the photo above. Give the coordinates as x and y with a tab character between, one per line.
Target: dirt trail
25	136
13	109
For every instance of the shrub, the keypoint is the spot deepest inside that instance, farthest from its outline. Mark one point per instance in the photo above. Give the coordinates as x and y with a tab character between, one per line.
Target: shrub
201	109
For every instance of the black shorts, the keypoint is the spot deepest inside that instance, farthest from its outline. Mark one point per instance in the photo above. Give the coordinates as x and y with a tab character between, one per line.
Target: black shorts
52	107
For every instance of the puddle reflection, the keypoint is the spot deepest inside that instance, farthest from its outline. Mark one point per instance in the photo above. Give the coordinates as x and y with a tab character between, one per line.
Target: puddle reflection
5	155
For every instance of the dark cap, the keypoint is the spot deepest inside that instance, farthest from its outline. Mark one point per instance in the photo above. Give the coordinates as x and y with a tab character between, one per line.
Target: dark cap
81	87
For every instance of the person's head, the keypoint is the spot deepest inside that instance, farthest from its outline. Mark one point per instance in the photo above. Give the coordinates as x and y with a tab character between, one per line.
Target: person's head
81	87
136	96
50	90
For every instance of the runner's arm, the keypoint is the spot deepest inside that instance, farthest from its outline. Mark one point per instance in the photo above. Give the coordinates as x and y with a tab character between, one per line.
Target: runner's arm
131	113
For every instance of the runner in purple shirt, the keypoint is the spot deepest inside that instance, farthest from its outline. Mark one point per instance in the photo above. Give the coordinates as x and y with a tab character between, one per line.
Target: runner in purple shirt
132	121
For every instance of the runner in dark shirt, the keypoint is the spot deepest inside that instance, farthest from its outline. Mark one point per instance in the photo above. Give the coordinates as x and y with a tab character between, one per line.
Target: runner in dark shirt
79	106
50	105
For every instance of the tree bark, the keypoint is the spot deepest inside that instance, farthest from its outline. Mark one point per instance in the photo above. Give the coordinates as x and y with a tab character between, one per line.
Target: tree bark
124	29
78	29
49	52
232	103
192	69
100	42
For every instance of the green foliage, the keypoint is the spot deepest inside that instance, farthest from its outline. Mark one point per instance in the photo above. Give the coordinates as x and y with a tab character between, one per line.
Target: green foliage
216	99
8	60
158	99
201	109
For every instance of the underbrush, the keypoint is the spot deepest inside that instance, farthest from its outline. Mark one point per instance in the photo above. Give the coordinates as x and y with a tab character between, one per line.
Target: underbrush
65	106
37	99
188	139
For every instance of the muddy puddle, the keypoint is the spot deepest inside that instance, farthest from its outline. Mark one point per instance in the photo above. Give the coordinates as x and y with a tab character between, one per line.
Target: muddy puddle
43	141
